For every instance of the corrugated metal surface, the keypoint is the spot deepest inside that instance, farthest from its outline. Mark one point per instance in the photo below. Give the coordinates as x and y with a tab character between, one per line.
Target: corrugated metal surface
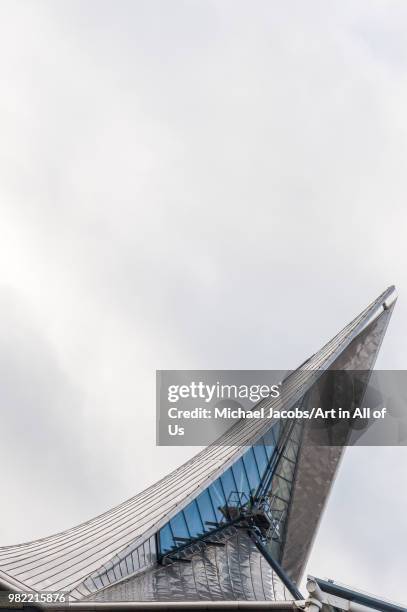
235	571
64	560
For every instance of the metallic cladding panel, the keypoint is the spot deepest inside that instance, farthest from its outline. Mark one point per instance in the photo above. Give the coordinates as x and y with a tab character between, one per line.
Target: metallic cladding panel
318	465
235	571
64	561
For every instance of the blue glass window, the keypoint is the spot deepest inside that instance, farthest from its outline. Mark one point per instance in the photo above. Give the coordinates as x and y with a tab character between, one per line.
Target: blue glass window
206	508
251	470
179	526
270	439
193	518
261	457
242	483
218	499
166	542
232	488
229	487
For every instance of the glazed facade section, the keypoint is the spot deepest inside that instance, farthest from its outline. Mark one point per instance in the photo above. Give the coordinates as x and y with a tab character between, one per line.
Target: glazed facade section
227	495
259	482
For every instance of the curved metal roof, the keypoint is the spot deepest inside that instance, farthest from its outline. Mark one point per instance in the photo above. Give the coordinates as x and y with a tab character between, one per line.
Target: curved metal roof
62	561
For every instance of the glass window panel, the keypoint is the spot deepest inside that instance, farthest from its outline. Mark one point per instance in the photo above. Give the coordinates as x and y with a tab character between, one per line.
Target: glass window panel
123	568
98	582
104	579
193	519
205	508
276	430
218	499
286	469
251	470
290	451
270	441
116	571
270	436
296	432
166	542
146	552
241	481
278	505
269	450
141	556
129	564
281	487
136	561
152	546
261	457
179	526
229	487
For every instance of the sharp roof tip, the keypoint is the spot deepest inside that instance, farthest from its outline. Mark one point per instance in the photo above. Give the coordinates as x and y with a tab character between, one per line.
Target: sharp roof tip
390	297
391	289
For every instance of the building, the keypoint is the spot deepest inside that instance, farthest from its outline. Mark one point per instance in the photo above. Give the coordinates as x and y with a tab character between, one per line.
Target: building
233	524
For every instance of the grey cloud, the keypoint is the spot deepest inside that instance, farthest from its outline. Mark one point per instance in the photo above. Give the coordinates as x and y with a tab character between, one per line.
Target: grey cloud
46	462
188	185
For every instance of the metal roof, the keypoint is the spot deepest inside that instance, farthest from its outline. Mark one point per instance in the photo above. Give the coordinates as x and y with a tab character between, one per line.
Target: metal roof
62	561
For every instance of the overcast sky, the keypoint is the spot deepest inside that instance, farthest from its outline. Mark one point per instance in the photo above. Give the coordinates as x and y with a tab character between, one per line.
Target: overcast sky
193	185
